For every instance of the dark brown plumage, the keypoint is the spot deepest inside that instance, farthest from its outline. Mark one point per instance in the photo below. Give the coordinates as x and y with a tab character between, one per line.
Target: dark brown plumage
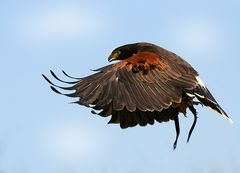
148	83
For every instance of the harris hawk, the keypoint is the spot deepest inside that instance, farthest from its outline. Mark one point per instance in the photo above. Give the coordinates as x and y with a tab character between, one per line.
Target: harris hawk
147	84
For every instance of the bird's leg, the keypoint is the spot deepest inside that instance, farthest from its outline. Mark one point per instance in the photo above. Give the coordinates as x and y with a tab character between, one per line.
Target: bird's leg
176	121
193	110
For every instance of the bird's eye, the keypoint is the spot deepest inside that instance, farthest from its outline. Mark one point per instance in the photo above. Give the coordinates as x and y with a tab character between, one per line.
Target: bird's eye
118	52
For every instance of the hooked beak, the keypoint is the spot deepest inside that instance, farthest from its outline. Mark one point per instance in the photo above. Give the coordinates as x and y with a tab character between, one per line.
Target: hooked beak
111	58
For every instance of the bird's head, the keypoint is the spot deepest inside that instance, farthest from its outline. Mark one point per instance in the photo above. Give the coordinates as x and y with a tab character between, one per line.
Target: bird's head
126	51
123	52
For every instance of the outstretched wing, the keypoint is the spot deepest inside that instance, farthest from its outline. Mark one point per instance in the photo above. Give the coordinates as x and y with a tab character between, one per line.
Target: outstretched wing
138	90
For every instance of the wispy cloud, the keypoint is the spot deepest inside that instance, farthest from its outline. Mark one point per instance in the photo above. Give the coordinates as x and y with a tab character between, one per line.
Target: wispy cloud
58	22
69	141
198	34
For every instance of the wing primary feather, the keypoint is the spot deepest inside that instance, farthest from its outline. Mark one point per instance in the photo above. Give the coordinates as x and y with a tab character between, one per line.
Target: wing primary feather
55	90
69	75
105	97
55	76
64	88
92	95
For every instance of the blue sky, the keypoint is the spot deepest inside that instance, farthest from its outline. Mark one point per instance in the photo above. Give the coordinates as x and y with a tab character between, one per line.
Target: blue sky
41	132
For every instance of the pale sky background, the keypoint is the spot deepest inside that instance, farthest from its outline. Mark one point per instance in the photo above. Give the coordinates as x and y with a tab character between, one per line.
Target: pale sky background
41	133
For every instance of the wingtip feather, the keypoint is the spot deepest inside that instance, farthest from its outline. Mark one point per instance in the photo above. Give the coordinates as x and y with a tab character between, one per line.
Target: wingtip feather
69	75
55	90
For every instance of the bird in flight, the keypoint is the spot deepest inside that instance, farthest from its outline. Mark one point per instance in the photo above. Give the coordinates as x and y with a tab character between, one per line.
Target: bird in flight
146	84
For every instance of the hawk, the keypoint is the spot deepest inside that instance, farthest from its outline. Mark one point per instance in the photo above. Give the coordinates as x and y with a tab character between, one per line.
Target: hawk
146	84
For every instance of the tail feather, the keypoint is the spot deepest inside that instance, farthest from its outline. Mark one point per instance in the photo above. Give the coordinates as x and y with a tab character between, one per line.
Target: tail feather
207	99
